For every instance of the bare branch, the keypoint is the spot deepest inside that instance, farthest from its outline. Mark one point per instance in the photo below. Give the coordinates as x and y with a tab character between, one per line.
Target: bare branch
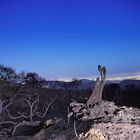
8	122
36	123
4	133
32	106
27	100
35	110
37	100
46	108
18	117
5	107
75	131
23	115
68	115
2	107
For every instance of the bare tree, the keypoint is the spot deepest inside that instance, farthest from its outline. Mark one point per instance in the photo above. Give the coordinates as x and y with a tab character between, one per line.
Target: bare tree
26	116
22	77
32	79
96	95
7	74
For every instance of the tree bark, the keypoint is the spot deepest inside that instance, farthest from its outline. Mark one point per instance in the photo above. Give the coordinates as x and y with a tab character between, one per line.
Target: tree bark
96	95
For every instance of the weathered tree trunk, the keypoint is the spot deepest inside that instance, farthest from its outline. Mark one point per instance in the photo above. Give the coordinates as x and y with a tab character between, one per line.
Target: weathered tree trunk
96	95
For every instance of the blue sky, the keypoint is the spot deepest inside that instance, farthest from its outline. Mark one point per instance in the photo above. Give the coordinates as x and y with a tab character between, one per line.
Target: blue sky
69	38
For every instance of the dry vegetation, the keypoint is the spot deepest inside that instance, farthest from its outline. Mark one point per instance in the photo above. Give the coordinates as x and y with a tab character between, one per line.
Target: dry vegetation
28	110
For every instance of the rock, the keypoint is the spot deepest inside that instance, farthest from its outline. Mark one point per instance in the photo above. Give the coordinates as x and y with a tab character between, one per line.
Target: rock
76	109
109	112
39	136
70	115
73	104
120	131
110	122
93	134
113	131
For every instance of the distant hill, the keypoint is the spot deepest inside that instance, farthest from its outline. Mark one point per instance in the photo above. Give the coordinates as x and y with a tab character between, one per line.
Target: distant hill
130	82
83	84
87	84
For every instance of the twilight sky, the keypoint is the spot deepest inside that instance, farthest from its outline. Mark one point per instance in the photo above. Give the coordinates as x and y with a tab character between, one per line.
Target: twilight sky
69	38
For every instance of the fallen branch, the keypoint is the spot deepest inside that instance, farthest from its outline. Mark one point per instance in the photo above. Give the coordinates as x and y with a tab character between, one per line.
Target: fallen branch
36	123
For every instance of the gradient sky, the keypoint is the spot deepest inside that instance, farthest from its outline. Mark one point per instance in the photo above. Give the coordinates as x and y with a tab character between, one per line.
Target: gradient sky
69	38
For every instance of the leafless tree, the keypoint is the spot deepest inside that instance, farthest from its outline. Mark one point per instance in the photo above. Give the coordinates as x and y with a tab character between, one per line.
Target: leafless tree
32	79
26	117
96	95
7	74
22	78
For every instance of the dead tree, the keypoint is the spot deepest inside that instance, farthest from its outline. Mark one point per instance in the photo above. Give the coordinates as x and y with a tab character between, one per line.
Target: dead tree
26	116
96	95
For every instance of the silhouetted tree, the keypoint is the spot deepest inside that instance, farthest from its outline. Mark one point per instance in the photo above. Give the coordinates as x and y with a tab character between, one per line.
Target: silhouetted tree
22	77
7	74
75	83
32	79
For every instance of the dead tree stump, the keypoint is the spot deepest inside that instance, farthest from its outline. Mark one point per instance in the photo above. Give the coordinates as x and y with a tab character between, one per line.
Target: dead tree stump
96	95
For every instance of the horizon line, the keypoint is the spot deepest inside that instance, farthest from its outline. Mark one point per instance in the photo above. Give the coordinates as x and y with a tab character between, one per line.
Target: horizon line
116	77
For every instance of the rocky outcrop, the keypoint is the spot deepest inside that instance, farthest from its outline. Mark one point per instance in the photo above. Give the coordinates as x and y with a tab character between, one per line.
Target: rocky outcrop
109	112
111	122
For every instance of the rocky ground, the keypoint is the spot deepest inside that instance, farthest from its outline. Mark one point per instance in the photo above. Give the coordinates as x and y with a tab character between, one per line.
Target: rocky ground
115	123
103	121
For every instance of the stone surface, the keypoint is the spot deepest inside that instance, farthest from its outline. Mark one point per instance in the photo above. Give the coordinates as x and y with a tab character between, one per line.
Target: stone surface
111	122
120	131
